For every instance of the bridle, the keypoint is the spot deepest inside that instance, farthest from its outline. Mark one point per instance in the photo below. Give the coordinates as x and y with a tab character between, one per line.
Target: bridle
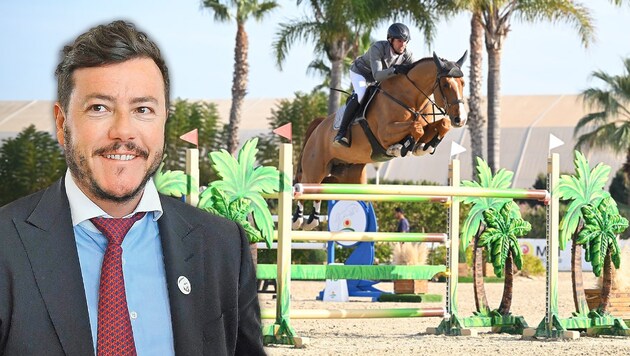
416	114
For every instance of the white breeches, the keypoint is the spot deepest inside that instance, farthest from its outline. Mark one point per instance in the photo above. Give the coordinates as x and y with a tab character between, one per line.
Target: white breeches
359	84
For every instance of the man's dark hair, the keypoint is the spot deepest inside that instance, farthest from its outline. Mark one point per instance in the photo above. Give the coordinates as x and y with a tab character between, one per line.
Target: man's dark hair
399	210
116	42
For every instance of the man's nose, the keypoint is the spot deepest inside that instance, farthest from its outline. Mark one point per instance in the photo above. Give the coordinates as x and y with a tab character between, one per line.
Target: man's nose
122	127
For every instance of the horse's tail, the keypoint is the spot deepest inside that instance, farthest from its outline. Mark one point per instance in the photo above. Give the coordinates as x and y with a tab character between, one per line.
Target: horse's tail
309	131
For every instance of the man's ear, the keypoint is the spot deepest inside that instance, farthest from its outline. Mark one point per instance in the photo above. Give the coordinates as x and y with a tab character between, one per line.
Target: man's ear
60	120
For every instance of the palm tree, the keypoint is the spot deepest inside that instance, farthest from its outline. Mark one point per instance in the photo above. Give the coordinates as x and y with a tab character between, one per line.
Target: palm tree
244	9
495	17
335	27
609	126
473	228
584	188
501	239
239	192
476	120
602	226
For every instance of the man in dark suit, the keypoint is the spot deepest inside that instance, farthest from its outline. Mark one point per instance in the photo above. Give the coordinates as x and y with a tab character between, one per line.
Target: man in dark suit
187	282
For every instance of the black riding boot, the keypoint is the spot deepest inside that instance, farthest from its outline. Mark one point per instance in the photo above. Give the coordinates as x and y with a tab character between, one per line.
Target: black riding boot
348	115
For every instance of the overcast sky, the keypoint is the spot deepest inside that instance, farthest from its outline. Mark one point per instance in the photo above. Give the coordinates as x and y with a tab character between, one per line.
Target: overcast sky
537	59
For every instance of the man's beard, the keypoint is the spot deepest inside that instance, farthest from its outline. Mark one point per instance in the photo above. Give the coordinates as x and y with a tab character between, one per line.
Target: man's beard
77	163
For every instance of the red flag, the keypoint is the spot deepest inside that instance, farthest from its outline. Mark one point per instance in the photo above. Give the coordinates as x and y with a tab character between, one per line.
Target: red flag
192	137
285	131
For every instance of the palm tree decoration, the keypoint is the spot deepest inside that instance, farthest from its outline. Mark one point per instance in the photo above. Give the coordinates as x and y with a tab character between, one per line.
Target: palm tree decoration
244	9
495	17
602	226
501	239
239	193
585	187
473	227
609	126
335	27
173	183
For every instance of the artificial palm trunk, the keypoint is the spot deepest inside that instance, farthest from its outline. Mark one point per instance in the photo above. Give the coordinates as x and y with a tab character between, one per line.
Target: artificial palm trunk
475	120
481	300
508	284
579	298
239	85
606	283
253	249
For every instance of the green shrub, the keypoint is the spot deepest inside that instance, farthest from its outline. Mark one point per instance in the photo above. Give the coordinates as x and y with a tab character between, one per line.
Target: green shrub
437	256
532	266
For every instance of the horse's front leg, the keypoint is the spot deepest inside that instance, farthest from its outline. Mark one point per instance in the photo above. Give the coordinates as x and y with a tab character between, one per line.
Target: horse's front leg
313	219
434	133
298	217
411	131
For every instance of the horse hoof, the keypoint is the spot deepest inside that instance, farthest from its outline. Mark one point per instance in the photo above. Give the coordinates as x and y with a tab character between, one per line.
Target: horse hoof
394	150
419	150
310	226
297	223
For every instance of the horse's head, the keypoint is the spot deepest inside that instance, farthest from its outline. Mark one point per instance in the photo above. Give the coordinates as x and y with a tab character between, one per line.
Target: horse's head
449	89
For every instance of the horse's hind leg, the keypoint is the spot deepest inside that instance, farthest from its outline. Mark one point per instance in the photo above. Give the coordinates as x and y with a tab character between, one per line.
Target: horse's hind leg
313	219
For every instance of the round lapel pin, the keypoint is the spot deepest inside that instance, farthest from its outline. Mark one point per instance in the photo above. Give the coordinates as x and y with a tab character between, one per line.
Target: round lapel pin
184	284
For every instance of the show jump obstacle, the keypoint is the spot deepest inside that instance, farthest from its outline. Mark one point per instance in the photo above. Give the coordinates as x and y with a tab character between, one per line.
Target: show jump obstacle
281	332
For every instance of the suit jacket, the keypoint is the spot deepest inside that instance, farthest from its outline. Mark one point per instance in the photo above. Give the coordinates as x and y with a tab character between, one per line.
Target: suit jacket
43	310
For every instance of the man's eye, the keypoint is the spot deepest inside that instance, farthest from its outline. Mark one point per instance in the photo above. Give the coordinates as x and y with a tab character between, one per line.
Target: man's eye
144	110
98	108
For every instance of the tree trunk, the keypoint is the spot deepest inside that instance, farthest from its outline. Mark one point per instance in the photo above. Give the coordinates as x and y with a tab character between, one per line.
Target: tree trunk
606	283
506	299
476	121
494	108
239	85
336	53
336	73
579	299
481	301
626	174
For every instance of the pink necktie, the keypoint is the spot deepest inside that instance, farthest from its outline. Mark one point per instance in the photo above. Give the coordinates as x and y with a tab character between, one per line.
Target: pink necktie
115	336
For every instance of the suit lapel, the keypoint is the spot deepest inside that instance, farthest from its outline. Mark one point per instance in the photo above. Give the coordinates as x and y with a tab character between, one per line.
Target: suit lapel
48	238
181	260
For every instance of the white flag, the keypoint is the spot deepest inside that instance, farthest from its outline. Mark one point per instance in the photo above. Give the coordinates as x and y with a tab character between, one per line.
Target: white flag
456	148
554	142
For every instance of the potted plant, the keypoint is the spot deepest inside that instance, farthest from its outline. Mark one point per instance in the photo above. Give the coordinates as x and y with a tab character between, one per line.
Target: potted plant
406	253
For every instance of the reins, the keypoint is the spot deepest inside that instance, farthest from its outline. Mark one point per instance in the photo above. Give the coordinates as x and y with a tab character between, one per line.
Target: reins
417	114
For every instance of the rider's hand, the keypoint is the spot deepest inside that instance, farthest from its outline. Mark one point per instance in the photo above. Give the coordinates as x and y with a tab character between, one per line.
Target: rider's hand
401	69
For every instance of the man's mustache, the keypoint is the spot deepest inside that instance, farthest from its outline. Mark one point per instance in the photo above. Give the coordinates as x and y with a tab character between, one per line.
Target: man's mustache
129	146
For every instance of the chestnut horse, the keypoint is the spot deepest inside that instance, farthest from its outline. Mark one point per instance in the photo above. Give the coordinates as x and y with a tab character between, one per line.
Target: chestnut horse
398	109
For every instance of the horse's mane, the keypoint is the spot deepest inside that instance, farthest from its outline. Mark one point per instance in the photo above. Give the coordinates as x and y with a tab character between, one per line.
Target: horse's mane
423	60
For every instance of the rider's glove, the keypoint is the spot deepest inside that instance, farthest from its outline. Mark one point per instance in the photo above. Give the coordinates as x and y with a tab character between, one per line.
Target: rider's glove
401	69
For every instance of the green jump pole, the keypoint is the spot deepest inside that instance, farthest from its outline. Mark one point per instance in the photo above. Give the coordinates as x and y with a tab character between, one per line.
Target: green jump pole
368	236
358	313
423	190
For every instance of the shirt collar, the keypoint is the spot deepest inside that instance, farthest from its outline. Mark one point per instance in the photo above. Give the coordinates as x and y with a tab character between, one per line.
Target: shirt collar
82	208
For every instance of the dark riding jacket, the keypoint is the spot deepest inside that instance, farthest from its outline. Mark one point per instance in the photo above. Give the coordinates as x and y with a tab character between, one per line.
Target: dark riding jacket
377	63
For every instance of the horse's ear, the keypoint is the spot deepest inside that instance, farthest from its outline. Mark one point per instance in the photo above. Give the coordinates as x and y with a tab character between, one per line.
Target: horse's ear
461	61
438	62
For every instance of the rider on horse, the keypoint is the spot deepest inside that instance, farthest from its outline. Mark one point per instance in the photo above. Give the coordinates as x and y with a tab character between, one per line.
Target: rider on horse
383	60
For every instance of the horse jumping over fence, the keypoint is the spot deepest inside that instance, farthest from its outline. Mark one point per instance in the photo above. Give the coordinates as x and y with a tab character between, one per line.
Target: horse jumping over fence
398	108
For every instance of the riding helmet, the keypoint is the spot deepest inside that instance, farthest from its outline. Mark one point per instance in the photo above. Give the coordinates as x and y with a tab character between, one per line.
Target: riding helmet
399	31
